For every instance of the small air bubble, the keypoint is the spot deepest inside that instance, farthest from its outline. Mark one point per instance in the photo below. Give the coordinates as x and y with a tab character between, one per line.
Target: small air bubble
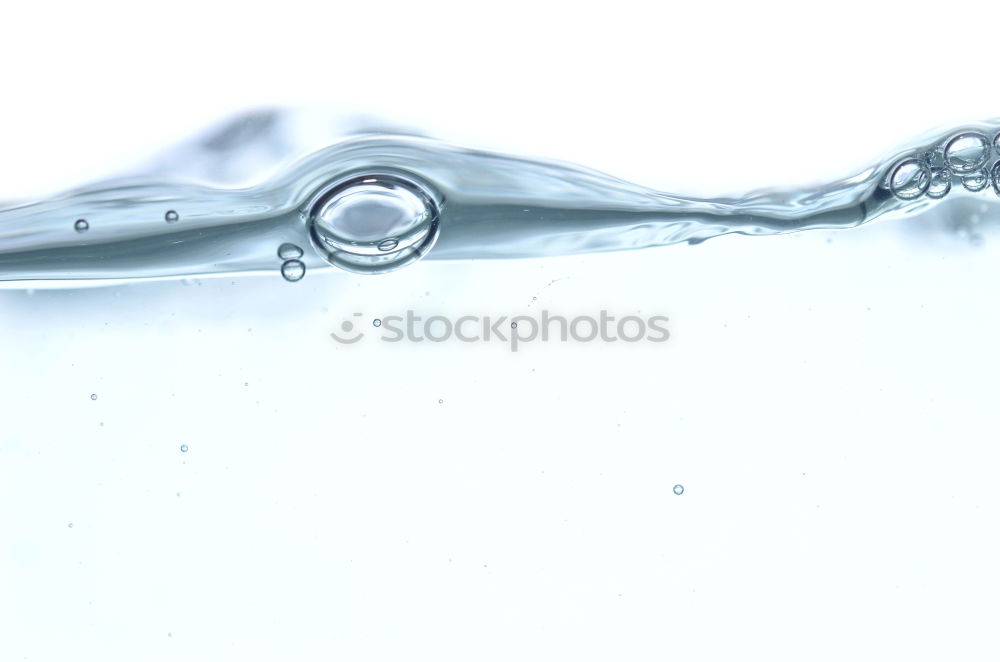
967	152
81	225
289	251
513	325
909	179
995	178
93	396
678	490
976	182
388	245
940	183
935	157
293	270
184	448
441	401
376	322
171	216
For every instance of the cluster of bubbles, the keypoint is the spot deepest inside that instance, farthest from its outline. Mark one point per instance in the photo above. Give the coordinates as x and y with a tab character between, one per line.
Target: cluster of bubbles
292	268
963	157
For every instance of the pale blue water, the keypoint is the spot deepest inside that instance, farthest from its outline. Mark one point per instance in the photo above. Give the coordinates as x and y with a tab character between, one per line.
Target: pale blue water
378	201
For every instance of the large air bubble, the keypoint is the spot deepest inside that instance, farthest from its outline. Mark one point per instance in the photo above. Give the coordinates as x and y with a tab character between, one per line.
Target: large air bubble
374	223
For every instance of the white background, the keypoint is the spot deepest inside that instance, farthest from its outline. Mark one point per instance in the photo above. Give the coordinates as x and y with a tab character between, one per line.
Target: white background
826	400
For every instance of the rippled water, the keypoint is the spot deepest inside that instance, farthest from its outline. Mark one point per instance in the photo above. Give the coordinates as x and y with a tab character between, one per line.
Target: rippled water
377	201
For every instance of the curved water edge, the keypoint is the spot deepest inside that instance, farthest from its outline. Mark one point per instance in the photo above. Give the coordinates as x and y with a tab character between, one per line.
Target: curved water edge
374	203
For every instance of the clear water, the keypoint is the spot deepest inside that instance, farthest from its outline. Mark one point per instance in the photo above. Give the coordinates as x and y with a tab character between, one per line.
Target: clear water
244	483
378	201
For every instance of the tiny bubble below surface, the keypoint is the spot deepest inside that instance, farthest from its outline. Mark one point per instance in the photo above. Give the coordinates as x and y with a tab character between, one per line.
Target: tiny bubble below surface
293	270
678	490
184	448
288	251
